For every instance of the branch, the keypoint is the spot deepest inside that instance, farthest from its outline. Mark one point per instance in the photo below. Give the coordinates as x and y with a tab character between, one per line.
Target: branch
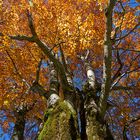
122	6
63	58
23	80
56	45
31	127
128	32
89	71
124	88
118	73
44	48
107	59
127	72
59	67
87	54
36	87
31	25
20	37
38	70
119	28
126	126
138	51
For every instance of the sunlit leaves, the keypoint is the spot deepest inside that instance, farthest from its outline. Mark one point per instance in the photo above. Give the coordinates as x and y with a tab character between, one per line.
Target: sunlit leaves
76	26
127	22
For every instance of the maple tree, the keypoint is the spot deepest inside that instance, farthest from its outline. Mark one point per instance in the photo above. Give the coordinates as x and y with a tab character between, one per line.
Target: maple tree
70	66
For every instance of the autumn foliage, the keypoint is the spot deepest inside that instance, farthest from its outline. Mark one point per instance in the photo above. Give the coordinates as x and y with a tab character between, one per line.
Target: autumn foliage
74	26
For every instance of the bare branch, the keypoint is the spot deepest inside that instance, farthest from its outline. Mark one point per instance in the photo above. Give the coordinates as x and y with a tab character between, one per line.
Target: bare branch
124	88
63	58
138	51
122	6
122	75
20	37
56	45
58	66
31	25
38	70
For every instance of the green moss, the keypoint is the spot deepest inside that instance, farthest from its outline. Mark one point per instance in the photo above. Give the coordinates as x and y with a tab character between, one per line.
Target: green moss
56	125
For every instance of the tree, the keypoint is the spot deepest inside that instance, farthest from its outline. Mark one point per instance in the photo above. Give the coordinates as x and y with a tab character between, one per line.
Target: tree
46	46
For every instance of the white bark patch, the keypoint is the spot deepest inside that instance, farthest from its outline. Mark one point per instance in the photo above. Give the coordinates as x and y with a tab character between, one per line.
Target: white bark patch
15	137
53	99
70	106
91	77
69	80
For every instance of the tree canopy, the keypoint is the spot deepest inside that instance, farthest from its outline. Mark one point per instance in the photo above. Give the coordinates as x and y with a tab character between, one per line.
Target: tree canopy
72	34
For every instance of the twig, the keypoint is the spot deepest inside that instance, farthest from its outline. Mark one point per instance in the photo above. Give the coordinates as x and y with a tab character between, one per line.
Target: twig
128	32
118	73
23	80
126	126
124	88
138	51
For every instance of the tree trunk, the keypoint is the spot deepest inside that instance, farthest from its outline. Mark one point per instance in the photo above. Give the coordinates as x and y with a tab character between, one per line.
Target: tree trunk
95	128
60	120
18	133
60	123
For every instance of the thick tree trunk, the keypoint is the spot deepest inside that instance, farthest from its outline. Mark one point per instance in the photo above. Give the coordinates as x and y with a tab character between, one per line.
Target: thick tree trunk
60	120
95	129
60	123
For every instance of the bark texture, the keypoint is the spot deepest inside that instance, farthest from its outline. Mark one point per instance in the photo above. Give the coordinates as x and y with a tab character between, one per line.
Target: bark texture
60	123
107	58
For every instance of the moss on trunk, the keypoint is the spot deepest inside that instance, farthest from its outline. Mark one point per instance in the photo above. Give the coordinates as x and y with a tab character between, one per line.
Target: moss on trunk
60	123
95	131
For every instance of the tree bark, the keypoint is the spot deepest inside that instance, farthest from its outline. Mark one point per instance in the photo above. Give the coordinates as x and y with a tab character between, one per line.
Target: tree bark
60	120
18	133
107	59
60	123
